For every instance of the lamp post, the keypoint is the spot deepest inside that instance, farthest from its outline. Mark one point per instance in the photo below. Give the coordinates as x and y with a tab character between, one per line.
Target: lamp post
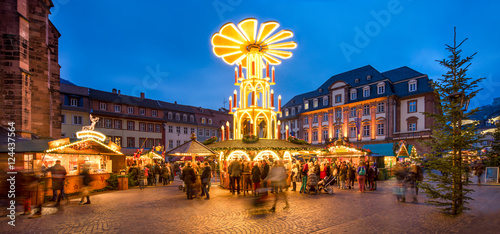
458	98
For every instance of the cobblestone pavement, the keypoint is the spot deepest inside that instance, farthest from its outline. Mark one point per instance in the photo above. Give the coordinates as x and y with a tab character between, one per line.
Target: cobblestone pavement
166	210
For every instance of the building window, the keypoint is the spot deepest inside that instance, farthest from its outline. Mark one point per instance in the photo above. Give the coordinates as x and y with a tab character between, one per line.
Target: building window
63	119
338	114
157	127
380	107
102	106
170	144
154	113
117	140
142	127
210	121
191	118
315	103
366	110
203	120
352	132
200	132
412	86
315	118
356	81
77	120
293	111
213	132
306	105
142	111
73	102
353	112
354	94
170	115
177	143
177	116
184	118
157	142
315	136
412	126
306	136
366	130
108	123
380	129
131	142
130	125
306	120
412	106
170	129
185	130
381	88
150	127
207	132
178	129
366	91
325	101
325	117
325	134
336	133
338	98
118	108
192	130
118	124
130	109
286	112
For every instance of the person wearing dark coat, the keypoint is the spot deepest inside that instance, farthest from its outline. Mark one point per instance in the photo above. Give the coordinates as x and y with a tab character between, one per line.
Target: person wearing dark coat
189	178
58	173
256	175
205	179
235	174
264	172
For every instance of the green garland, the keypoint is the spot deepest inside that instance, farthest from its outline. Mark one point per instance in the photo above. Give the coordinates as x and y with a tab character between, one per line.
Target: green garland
210	140
247	139
297	141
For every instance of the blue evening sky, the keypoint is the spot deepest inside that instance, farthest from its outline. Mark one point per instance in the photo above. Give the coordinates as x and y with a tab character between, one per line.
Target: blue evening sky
163	48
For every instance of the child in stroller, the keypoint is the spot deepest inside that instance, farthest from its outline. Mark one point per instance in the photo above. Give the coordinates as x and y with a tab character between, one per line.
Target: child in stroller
326	184
312	183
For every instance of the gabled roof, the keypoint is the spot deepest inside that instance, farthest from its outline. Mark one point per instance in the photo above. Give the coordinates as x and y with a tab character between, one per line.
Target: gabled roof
401	73
64	81
123	99
191	148
350	77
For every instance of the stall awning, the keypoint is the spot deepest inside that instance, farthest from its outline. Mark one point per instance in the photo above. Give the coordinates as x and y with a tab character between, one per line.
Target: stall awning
380	149
191	148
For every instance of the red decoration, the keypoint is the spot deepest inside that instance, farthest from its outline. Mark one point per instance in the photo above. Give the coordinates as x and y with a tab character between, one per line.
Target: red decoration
241	73
253	68
267	70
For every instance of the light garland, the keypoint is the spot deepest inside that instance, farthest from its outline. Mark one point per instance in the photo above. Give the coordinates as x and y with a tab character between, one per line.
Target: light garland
83	141
90	134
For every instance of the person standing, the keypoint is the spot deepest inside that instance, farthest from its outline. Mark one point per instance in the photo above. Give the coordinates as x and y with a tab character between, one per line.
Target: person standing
304	173
256	177
351	174
86	179
479	172
264	172
277	176
205	180
361	171
371	177
143	176
294	176
165	174
189	177
58	173
236	174
343	176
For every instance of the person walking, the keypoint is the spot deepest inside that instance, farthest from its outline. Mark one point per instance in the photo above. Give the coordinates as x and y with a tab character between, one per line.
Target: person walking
86	179
256	177
361	171
205	179
143	176
165	174
304	173
58	173
189	177
343	176
400	188
277	176
236	174
351	174
294	176
479	172
371	177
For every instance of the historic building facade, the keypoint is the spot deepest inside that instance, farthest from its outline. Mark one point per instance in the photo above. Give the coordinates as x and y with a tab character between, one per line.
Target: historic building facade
29	68
365	106
136	122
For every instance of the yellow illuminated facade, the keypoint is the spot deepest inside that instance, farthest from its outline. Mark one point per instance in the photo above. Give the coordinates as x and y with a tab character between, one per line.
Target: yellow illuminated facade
253	47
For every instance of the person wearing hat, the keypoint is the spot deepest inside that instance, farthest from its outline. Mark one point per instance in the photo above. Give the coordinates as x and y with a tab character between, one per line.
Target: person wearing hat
85	191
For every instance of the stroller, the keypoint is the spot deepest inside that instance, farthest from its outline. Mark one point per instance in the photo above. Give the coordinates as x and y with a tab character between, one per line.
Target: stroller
327	183
312	183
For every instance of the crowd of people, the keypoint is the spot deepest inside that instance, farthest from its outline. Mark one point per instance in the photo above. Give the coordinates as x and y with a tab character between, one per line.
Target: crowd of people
153	174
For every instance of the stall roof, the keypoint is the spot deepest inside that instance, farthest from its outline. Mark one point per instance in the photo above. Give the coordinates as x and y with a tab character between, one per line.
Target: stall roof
83	146
262	143
191	148
380	149
38	145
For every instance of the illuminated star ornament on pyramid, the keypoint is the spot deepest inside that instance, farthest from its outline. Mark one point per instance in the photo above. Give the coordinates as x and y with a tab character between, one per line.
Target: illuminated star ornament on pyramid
253	47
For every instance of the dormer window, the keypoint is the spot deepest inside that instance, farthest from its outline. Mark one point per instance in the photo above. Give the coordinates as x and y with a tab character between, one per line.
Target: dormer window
177	116
381	88
203	120
368	77
293	111
320	90
366	91
73	102
306	105
286	112
356	81
191	118
354	94
315	103
210	121
184	118
325	101
412	86
170	115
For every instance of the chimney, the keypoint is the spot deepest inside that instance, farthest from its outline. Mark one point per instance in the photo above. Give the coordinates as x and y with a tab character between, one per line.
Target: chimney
119	92
142	95
114	91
